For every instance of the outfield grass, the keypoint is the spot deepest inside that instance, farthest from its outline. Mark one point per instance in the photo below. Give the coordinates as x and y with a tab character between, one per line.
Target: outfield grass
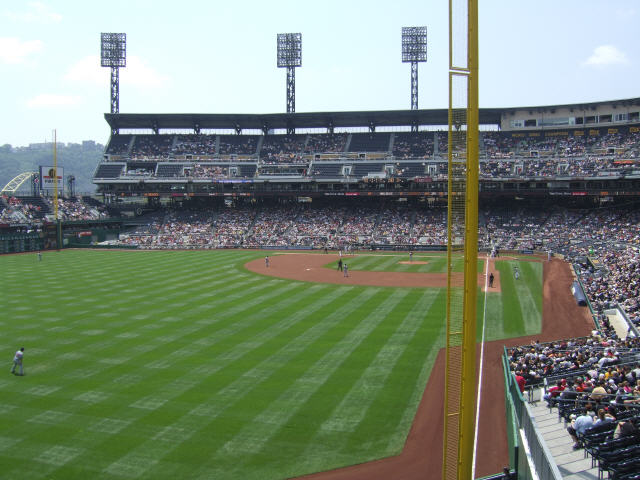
185	365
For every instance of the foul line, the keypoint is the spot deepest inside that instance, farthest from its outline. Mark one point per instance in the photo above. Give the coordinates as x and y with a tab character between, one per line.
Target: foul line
484	317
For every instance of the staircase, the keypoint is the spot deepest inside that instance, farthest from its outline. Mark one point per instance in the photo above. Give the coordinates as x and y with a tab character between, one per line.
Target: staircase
572	463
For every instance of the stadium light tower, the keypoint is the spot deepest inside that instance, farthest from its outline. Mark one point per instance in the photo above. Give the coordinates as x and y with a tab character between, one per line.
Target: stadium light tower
113	53
290	56
414	50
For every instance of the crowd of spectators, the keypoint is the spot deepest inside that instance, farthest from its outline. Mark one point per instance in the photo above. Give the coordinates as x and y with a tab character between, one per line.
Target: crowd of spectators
206	171
18	211
151	146
594	382
34	210
395	227
283	149
522	168
494	145
616	282
75	209
326	143
413	145
271	227
199	145
586	361
173	229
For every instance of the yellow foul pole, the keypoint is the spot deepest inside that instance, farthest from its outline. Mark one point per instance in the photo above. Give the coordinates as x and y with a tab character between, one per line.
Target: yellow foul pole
468	394
462	241
55	177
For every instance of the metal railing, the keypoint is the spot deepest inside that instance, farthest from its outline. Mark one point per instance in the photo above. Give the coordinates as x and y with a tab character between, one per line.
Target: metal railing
528	454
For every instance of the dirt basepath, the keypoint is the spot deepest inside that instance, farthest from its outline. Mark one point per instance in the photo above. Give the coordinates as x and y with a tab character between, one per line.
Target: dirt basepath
310	267
421	458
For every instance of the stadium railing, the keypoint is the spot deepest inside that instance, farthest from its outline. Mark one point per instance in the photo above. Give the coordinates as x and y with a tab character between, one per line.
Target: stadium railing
528	454
593	314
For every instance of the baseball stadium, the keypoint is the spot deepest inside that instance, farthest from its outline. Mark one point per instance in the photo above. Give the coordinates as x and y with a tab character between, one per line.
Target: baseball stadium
274	296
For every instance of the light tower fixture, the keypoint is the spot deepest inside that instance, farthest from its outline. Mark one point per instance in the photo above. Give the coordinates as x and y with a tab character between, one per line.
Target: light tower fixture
414	50
290	57
113	53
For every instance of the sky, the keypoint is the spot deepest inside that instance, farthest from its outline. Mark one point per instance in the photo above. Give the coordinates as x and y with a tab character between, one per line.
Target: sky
220	57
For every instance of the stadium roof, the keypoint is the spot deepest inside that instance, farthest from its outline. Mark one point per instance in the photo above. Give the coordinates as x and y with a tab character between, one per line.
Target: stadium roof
277	121
250	121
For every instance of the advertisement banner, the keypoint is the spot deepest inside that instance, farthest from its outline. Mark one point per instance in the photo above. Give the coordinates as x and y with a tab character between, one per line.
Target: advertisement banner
47	175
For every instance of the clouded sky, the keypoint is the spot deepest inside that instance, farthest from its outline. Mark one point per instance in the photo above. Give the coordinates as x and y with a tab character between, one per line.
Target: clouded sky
220	57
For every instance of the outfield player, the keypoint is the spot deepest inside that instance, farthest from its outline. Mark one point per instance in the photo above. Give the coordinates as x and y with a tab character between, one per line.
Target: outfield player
516	273
17	360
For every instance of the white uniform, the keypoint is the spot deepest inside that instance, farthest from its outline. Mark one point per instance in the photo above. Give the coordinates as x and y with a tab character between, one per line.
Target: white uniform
17	360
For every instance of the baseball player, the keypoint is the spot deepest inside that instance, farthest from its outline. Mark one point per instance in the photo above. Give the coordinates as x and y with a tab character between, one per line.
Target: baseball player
17	360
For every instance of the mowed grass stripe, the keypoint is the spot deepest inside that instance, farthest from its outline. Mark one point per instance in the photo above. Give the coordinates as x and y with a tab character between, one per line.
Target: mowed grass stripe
307	337
267	358
354	405
215	406
530	293
224	332
158	398
406	383
522	314
393	406
302	394
90	281
495	327
310	450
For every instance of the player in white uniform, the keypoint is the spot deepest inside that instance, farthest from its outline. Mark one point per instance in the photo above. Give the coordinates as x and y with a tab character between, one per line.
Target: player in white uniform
17	360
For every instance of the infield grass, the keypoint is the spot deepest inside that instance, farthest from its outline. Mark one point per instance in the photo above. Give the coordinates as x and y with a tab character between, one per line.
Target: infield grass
422	262
185	365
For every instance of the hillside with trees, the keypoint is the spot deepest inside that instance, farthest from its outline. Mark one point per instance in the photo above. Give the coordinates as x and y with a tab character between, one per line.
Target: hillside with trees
77	159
